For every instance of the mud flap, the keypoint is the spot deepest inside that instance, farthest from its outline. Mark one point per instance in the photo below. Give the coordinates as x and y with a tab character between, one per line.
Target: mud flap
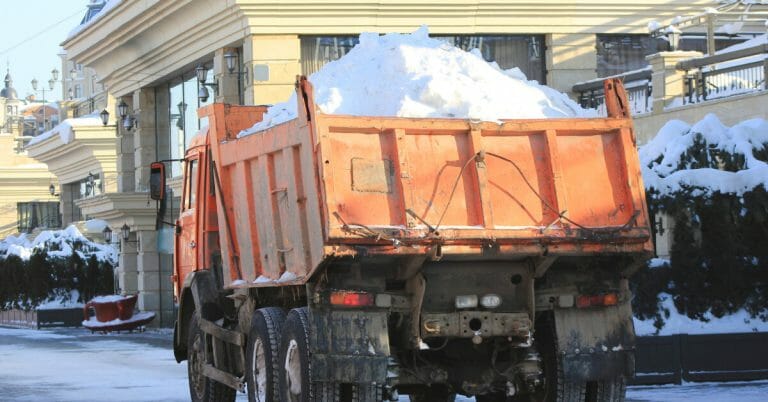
596	344
349	346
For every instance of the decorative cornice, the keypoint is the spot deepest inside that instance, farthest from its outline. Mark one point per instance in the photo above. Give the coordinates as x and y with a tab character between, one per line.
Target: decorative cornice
129	46
93	148
133	209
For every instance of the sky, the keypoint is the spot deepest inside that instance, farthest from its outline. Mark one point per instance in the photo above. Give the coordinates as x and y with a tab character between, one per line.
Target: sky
30	34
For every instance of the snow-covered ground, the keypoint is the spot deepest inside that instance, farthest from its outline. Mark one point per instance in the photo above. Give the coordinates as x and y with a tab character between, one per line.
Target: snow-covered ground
74	365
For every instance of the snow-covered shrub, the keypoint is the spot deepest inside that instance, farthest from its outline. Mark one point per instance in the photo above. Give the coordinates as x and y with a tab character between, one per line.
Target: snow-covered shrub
53	265
711	180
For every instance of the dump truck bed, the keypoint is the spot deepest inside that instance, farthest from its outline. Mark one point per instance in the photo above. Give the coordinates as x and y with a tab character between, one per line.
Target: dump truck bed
322	186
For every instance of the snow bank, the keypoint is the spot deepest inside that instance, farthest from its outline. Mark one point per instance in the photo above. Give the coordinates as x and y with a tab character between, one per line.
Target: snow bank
661	157
65	128
676	323
68	300
413	75
59	243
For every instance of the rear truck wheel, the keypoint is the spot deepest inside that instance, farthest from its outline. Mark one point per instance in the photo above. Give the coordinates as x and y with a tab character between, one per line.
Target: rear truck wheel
261	354
555	387
613	390
434	393
294	364
202	388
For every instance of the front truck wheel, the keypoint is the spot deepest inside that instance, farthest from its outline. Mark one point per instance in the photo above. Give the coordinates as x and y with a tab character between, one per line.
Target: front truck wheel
295	366
202	388
262	354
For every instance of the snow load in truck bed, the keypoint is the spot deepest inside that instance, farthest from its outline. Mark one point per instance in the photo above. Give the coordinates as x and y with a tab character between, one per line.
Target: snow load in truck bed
413	75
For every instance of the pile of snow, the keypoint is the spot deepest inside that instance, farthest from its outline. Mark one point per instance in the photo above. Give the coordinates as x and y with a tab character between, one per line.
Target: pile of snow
413	75
59	243
65	128
65	300
676	323
661	157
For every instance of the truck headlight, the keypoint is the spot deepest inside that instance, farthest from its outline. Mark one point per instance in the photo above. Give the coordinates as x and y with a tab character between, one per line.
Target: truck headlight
466	301
490	301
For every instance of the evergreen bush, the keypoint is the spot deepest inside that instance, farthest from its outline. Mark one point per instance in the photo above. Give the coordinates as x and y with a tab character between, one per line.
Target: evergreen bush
719	257
27	283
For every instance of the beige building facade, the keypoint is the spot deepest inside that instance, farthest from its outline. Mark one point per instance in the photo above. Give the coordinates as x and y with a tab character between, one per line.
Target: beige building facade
144	54
25	200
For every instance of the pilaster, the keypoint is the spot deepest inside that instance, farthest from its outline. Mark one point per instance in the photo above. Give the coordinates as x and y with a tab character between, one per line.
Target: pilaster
277	56
570	59
668	82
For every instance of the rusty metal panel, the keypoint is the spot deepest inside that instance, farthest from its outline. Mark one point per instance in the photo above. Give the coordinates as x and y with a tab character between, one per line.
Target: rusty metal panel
326	185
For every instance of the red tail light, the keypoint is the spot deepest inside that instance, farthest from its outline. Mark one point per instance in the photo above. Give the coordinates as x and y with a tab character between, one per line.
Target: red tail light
351	299
609	299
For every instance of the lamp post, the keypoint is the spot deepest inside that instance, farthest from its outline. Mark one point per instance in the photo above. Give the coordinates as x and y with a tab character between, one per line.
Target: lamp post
51	82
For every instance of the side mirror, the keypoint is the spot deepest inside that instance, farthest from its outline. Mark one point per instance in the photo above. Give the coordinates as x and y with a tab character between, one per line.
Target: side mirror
157	181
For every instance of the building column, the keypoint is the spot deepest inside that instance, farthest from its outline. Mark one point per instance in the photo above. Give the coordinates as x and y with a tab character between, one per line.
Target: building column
570	59
154	292
668	82
125	159
144	144
228	82
127	273
273	63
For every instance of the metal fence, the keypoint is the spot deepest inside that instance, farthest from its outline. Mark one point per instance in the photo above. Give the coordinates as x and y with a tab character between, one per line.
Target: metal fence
721	357
63	317
727	74
636	83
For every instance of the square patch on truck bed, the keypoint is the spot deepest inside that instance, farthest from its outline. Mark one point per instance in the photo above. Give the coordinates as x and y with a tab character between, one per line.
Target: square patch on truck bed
372	176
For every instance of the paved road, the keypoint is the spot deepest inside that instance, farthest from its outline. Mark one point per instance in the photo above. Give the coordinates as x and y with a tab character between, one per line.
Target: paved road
71	365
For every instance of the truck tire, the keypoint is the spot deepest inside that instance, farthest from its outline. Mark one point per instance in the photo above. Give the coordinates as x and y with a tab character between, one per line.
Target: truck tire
294	363
202	388
261	354
555	387
613	390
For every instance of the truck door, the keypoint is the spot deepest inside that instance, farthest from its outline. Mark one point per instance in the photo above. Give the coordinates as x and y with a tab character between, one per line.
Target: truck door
187	240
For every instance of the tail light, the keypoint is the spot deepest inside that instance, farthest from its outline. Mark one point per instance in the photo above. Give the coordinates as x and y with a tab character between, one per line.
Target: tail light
351	299
608	299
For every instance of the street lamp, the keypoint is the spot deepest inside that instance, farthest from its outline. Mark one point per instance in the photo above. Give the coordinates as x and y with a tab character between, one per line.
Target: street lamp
230	58
202	73
51	82
107	234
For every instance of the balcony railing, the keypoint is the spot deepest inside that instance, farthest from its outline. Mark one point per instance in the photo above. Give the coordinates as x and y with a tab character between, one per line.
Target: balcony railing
725	74
637	84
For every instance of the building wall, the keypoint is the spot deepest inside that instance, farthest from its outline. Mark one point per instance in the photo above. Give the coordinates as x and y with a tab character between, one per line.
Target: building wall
22	179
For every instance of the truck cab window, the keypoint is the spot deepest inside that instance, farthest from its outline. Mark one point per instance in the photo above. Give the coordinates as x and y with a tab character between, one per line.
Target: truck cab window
191	186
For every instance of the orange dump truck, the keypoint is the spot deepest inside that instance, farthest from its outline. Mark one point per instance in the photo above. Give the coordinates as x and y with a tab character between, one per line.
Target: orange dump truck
347	258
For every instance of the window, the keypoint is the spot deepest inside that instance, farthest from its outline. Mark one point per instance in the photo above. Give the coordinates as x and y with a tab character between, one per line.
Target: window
182	115
317	51
523	51
33	215
190	189
698	42
618	54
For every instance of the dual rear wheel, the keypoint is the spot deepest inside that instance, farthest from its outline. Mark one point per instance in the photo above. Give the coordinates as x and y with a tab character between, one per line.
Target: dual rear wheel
279	367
